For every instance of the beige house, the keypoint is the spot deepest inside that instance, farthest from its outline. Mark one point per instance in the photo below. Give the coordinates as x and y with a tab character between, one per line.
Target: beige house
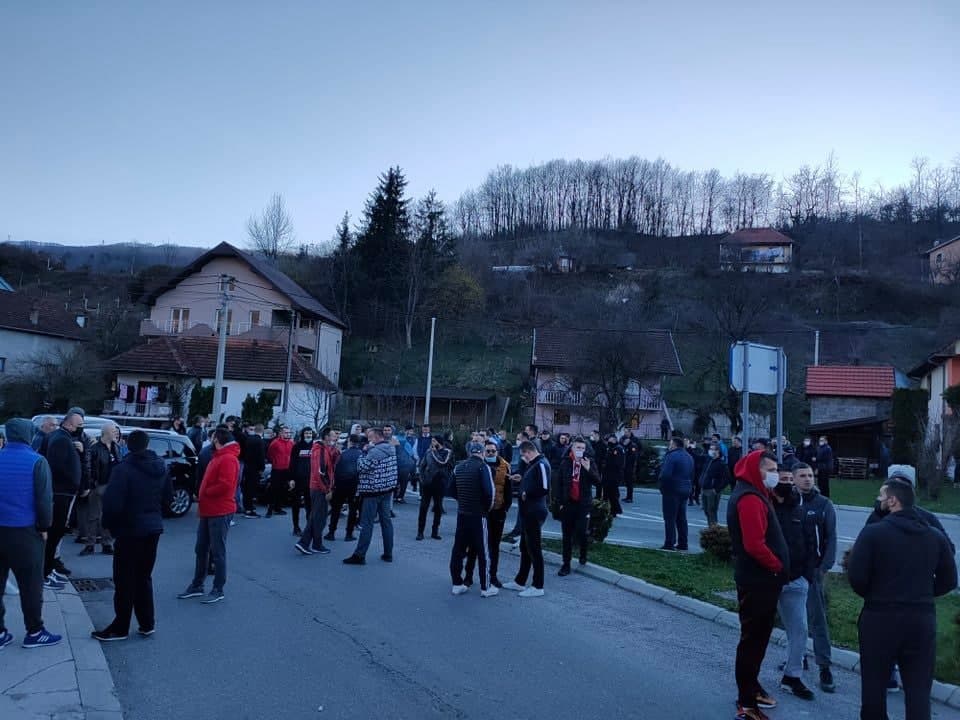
756	250
264	304
944	261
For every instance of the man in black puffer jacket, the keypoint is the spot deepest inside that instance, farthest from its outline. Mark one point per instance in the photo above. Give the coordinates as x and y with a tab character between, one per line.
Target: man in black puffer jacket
802	548
473	481
133	503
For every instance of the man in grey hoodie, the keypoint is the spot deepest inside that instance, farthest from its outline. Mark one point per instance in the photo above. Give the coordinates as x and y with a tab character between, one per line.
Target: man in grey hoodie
26	511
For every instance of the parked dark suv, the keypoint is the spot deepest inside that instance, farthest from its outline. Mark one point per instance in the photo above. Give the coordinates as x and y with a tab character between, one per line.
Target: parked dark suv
181	460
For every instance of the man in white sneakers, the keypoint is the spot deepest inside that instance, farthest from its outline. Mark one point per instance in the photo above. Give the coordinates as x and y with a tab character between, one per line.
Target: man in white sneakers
534	489
474	489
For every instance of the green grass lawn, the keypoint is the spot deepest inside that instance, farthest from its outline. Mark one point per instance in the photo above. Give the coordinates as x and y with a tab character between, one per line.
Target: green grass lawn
702	577
864	492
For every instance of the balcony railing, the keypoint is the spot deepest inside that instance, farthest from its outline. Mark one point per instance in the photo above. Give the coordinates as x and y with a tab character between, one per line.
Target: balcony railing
134	409
573	398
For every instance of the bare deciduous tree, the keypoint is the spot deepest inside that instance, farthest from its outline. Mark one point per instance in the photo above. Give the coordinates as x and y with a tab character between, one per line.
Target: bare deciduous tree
271	234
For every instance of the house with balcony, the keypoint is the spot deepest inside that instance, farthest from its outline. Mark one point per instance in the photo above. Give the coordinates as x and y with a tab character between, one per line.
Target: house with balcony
569	399
263	304
153	381
756	250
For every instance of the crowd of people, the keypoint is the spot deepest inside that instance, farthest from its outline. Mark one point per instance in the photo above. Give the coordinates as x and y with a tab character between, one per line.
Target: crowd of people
782	525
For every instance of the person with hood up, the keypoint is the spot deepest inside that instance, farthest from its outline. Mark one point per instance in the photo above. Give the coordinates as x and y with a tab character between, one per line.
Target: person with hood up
676	484
298	480
26	511
133	503
345	484
760	557
898	566
436	468
217	503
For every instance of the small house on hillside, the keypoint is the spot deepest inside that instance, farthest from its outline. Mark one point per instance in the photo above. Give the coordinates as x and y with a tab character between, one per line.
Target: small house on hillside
939	371
569	399
852	405
153	381
756	250
263	304
33	329
944	261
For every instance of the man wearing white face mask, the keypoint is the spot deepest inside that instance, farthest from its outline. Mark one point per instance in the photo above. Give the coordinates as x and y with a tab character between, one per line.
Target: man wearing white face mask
760	558
578	474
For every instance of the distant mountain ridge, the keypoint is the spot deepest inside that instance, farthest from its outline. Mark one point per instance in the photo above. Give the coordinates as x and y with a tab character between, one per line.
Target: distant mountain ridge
115	257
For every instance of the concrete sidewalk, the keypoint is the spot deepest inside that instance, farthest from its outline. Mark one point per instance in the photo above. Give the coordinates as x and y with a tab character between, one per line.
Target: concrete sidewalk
70	681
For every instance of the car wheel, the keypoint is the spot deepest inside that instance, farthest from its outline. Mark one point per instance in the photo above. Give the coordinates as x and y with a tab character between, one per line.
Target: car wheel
181	502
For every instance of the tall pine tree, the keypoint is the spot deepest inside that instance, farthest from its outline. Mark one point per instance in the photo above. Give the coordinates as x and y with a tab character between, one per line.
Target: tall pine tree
383	245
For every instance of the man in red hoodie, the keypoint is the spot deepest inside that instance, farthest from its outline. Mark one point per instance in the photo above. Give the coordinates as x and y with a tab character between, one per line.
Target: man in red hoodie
760	556
216	505
279	453
323	459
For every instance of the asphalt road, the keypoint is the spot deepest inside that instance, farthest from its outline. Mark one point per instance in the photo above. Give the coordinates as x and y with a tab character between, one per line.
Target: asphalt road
296	634
641	524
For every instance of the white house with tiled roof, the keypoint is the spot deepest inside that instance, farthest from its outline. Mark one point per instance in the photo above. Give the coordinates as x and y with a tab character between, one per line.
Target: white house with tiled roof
33	329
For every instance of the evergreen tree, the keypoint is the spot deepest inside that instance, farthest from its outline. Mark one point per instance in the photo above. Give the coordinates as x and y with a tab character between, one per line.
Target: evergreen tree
432	251
383	245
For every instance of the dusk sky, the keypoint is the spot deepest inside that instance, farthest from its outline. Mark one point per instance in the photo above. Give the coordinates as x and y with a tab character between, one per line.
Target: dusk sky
175	121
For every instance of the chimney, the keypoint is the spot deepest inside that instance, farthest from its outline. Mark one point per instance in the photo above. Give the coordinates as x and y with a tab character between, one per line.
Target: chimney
35	315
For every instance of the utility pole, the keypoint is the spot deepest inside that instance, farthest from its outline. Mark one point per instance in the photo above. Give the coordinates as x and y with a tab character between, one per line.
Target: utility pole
426	406
745	397
816	347
225	281
290	347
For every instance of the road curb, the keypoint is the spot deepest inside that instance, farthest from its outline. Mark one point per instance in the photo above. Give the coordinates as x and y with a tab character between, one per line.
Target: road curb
944	693
98	694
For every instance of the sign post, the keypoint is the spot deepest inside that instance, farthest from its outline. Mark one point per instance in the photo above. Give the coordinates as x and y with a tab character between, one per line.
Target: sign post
762	370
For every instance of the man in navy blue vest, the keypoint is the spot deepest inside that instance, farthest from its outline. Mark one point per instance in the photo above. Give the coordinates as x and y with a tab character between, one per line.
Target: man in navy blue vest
26	511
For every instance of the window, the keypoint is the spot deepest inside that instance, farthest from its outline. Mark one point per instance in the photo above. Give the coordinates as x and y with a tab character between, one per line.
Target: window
230	284
306	357
229	321
159	445
561	417
254	318
3	364
307	323
223	395
179	319
275	394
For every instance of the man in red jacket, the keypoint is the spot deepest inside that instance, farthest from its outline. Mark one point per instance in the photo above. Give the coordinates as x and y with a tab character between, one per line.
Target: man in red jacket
323	459
760	556
279	452
217	503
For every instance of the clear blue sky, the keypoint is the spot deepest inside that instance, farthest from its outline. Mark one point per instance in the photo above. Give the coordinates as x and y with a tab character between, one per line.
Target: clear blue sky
169	121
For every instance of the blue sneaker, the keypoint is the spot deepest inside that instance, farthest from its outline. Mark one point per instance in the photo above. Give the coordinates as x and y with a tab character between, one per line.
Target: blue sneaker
5	638
42	638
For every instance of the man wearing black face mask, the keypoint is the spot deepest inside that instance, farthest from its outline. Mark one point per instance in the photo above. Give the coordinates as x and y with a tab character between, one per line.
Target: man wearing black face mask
792	605
613	474
908	475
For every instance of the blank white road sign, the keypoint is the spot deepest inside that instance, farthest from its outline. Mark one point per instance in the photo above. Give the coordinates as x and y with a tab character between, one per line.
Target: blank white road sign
761	369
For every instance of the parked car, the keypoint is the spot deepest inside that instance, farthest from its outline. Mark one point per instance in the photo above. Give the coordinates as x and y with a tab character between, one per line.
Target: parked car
181	460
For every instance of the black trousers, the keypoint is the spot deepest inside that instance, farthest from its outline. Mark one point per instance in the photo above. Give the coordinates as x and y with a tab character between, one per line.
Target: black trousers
531	549
62	505
757	610
133	561
495	522
629	473
277	492
251	488
403	480
575	522
823	483
432	491
470	542
611	493
345	496
300	497
21	551
907	638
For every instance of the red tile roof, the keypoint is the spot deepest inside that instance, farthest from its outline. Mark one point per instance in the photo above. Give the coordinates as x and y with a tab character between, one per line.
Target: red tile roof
197	357
52	319
756	236
851	381
565	348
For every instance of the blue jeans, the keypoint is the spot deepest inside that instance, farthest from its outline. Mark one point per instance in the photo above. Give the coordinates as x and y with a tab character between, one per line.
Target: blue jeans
212	546
793	614
674	519
378	505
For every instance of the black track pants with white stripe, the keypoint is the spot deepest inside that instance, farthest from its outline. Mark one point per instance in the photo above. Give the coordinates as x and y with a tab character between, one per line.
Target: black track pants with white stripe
471	538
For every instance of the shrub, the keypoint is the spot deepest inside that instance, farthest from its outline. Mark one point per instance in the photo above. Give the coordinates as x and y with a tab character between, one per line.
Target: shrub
601	520
716	542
